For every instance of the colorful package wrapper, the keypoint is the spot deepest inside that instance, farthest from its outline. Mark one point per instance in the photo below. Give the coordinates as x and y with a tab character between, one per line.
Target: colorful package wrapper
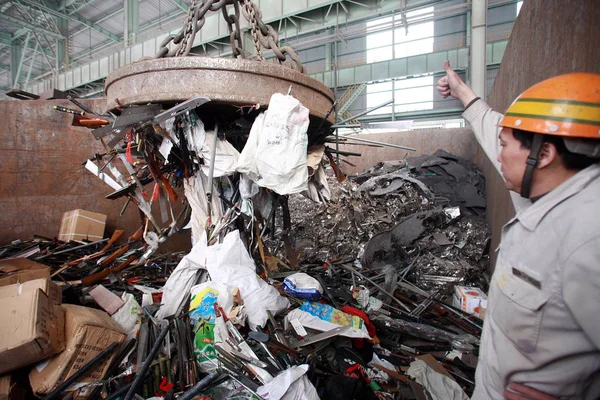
331	314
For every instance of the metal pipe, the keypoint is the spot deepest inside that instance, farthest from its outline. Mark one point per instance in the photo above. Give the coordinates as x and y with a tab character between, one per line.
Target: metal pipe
380	143
73	248
351	126
141	374
198	387
342	122
352	270
461	314
478	47
17	75
211	171
63	386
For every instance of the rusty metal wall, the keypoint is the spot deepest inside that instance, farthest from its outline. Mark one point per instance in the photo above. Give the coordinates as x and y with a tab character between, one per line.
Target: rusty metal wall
550	37
41	175
459	141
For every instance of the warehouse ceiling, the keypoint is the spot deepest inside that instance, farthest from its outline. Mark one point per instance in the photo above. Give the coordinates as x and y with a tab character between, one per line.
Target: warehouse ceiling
40	39
47	34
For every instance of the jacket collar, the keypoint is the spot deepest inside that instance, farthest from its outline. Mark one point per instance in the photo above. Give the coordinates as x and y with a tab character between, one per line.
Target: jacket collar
531	216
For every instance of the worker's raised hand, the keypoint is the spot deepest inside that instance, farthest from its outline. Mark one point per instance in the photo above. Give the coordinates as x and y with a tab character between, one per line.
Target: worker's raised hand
518	391
452	85
443	85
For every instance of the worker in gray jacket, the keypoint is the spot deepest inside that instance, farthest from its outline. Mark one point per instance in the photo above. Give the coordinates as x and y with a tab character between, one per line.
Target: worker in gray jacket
541	335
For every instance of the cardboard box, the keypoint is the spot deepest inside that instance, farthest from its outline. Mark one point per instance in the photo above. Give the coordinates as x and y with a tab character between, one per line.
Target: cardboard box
12	389
88	331
52	290
470	299
80	224
32	329
19	270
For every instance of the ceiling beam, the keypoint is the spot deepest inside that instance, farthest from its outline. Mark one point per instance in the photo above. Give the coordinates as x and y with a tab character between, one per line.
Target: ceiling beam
183	6
5	38
78	7
104	18
32	27
75	18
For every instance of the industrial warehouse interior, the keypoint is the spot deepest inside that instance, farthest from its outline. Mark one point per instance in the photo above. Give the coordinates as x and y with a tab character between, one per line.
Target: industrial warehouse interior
300	199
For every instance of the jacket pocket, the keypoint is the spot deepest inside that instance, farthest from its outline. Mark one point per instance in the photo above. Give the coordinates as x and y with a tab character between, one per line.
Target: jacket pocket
519	309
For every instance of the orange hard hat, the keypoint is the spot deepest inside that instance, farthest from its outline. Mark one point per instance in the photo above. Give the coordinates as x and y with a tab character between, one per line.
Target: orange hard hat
566	105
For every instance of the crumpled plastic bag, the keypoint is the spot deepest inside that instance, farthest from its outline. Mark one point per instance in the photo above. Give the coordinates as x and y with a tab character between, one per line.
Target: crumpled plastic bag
275	154
302	286
230	263
291	384
226	156
439	386
177	287
129	316
195	189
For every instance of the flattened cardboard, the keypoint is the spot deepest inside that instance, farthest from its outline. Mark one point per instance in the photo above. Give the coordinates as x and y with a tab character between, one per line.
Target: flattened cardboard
52	290
6	383
82	225
19	270
11	389
32	329
88	331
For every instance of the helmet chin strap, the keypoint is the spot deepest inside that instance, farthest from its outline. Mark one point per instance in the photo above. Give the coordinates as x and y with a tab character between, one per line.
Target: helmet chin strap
532	162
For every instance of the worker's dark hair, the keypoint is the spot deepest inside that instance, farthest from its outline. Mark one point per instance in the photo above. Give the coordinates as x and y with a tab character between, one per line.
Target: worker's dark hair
570	160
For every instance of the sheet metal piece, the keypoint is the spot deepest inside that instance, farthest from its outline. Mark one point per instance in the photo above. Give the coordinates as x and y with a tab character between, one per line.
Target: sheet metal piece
133	115
180	109
224	80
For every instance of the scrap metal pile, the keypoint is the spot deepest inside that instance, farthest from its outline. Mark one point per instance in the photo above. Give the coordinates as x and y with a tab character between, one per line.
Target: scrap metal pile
364	312
300	284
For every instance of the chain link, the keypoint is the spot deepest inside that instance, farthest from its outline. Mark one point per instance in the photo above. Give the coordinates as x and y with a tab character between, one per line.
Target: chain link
233	25
250	15
263	35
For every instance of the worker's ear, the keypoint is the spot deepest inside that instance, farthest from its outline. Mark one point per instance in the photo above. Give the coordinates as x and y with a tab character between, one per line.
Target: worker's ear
548	155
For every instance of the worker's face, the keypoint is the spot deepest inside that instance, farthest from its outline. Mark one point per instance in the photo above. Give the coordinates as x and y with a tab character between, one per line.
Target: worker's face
513	158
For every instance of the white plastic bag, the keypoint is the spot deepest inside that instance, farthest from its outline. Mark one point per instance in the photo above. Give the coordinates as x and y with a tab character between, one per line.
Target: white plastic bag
275	154
439	386
195	189
178	286
129	316
230	263
226	156
247	160
291	384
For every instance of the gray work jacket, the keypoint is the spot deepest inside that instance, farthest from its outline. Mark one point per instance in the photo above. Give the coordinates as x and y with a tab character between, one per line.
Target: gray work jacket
542	325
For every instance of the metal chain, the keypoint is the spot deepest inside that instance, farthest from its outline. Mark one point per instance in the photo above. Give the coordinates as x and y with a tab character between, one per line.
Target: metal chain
250	15
235	36
262	34
268	38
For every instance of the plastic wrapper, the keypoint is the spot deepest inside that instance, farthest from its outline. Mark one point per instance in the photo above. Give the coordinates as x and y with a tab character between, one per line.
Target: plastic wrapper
415	329
358	330
365	300
203	319
302	286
